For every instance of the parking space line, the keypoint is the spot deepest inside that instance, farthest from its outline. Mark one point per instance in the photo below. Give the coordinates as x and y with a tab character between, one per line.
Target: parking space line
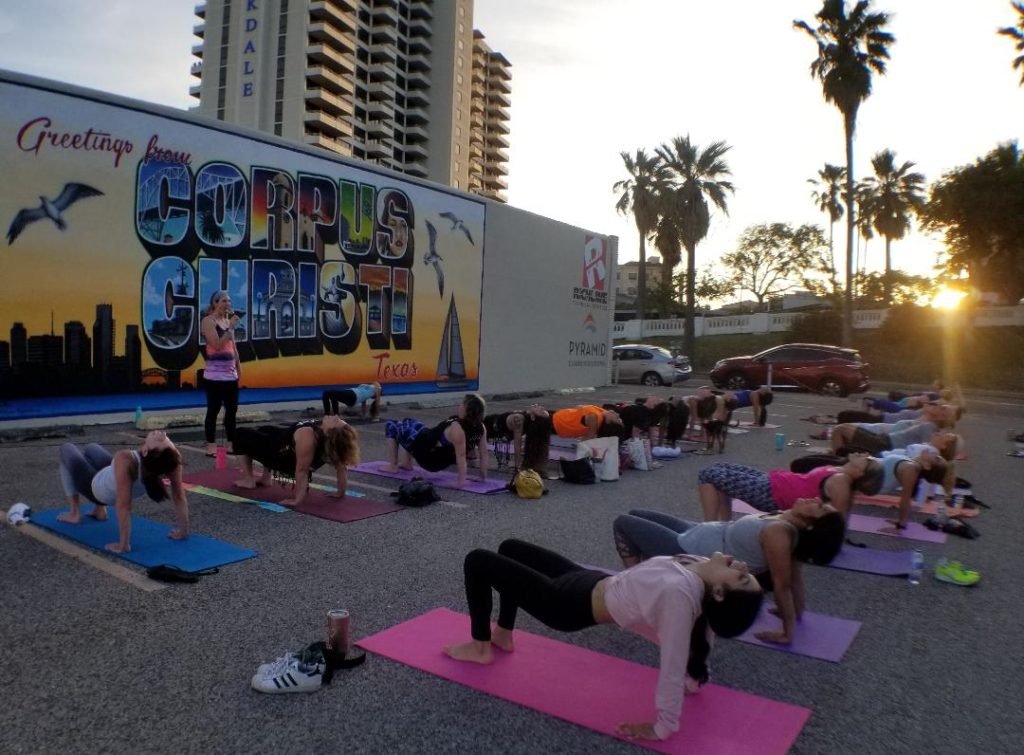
89	558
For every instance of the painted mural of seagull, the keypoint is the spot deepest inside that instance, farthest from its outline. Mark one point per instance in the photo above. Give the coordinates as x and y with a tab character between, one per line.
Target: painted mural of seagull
457	224
71	193
433	258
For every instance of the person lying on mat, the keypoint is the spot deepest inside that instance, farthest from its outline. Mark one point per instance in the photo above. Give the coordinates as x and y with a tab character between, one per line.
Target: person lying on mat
361	394
779	489
671	601
902	472
878	437
585	422
451	441
117	479
295	451
769	544
532	425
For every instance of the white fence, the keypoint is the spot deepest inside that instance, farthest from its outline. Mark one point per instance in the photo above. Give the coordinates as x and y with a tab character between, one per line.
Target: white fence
773	322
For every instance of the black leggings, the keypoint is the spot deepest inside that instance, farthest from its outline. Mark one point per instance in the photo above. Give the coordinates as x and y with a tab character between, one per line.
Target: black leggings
334	398
221	393
547	586
850	416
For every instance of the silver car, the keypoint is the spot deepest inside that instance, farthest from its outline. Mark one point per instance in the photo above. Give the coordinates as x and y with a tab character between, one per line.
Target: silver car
649	365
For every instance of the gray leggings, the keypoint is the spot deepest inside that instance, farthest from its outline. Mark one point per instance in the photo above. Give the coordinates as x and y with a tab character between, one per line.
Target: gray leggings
79	466
642	534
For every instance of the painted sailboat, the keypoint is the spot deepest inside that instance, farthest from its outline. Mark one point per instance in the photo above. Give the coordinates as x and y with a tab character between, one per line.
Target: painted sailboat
451	362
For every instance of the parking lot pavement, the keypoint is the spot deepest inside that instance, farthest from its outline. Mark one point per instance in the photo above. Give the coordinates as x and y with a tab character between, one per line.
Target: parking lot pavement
94	664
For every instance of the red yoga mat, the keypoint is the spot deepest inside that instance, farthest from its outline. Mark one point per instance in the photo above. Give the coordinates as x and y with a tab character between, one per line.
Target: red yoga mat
317	502
591	689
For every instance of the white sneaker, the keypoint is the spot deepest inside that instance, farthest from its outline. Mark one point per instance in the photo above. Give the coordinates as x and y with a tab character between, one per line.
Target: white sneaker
277	665
296	676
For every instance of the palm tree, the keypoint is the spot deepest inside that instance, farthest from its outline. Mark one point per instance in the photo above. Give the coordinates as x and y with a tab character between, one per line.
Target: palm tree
698	175
893	192
639	197
829	180
850	47
1016	33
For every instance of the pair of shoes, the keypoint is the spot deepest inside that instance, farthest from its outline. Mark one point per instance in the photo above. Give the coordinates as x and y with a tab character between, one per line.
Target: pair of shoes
301	671
954	573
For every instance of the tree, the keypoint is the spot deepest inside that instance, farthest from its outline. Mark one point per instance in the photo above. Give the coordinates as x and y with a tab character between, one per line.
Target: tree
771	259
697	176
850	47
892	194
828	188
639	197
1016	33
707	288
899	287
978	210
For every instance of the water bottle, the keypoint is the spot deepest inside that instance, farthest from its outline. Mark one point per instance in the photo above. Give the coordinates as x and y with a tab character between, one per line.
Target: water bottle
138	416
940	508
780	441
916	568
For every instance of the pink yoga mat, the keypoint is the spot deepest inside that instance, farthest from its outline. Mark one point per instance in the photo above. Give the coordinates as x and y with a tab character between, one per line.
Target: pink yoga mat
317	502
817	636
593	690
872	525
441	479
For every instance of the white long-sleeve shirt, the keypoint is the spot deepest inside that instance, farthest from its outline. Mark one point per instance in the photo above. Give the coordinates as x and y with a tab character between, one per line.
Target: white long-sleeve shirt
660	599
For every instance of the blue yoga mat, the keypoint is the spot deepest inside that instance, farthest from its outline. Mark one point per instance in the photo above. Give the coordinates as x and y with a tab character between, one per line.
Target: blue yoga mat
150	544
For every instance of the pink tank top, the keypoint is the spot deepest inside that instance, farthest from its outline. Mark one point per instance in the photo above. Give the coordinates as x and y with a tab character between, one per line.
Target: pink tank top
788	486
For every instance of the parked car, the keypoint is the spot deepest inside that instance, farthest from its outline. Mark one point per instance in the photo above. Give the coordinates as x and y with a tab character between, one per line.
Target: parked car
649	365
831	370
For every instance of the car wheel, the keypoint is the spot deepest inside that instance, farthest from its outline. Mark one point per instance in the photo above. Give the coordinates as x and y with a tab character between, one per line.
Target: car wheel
832	387
651	379
737	381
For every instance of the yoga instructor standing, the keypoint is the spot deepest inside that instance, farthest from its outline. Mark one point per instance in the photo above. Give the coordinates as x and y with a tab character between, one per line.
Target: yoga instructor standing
223	369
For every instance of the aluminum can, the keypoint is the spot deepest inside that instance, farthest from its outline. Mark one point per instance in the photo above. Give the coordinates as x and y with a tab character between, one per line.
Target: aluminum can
337	629
780	441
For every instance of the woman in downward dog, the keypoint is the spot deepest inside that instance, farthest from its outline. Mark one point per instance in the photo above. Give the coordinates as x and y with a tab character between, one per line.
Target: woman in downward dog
671	601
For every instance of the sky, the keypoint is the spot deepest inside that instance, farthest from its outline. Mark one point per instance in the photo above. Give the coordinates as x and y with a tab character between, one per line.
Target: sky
593	78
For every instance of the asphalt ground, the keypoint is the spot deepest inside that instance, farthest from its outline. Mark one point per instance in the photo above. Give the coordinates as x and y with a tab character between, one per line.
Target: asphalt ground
92	664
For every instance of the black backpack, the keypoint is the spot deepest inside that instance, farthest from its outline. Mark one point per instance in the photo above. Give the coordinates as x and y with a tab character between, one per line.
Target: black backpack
416	492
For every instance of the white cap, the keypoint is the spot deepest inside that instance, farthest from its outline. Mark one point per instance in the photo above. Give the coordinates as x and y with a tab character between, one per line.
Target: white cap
18	513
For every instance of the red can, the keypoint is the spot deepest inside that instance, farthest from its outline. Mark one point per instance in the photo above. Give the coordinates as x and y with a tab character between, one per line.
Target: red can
337	629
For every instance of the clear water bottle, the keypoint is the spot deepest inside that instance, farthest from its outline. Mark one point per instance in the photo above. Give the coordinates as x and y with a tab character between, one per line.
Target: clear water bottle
916	568
940	508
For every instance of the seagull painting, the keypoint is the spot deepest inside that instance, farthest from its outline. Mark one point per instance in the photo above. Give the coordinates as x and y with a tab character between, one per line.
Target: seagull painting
71	193
457	224
433	258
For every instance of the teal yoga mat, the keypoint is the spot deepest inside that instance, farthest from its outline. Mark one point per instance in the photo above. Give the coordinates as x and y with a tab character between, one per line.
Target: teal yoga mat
150	544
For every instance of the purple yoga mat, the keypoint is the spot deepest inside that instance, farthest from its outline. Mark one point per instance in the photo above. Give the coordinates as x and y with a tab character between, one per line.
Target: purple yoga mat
872	525
593	690
816	636
441	479
871	561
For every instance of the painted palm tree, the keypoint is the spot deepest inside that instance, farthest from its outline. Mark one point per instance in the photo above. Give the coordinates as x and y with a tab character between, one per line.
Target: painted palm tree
865	213
639	197
851	47
697	176
827	196
894	192
1016	33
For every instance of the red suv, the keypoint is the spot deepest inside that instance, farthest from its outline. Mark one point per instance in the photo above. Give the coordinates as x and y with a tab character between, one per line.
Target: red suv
831	370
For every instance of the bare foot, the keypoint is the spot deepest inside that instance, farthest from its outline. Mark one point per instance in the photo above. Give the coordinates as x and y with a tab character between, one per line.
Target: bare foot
69	518
245	484
99	513
118	548
177	534
211	449
472	652
502	639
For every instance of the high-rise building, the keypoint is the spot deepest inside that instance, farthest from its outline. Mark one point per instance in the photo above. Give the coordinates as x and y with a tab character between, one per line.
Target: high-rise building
103	342
76	344
46	350
133	356
407	84
19	344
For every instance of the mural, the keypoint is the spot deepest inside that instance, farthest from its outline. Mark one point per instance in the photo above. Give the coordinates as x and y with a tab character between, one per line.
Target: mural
123	222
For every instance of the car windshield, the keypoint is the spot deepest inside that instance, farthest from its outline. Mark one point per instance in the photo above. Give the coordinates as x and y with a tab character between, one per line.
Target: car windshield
661	352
